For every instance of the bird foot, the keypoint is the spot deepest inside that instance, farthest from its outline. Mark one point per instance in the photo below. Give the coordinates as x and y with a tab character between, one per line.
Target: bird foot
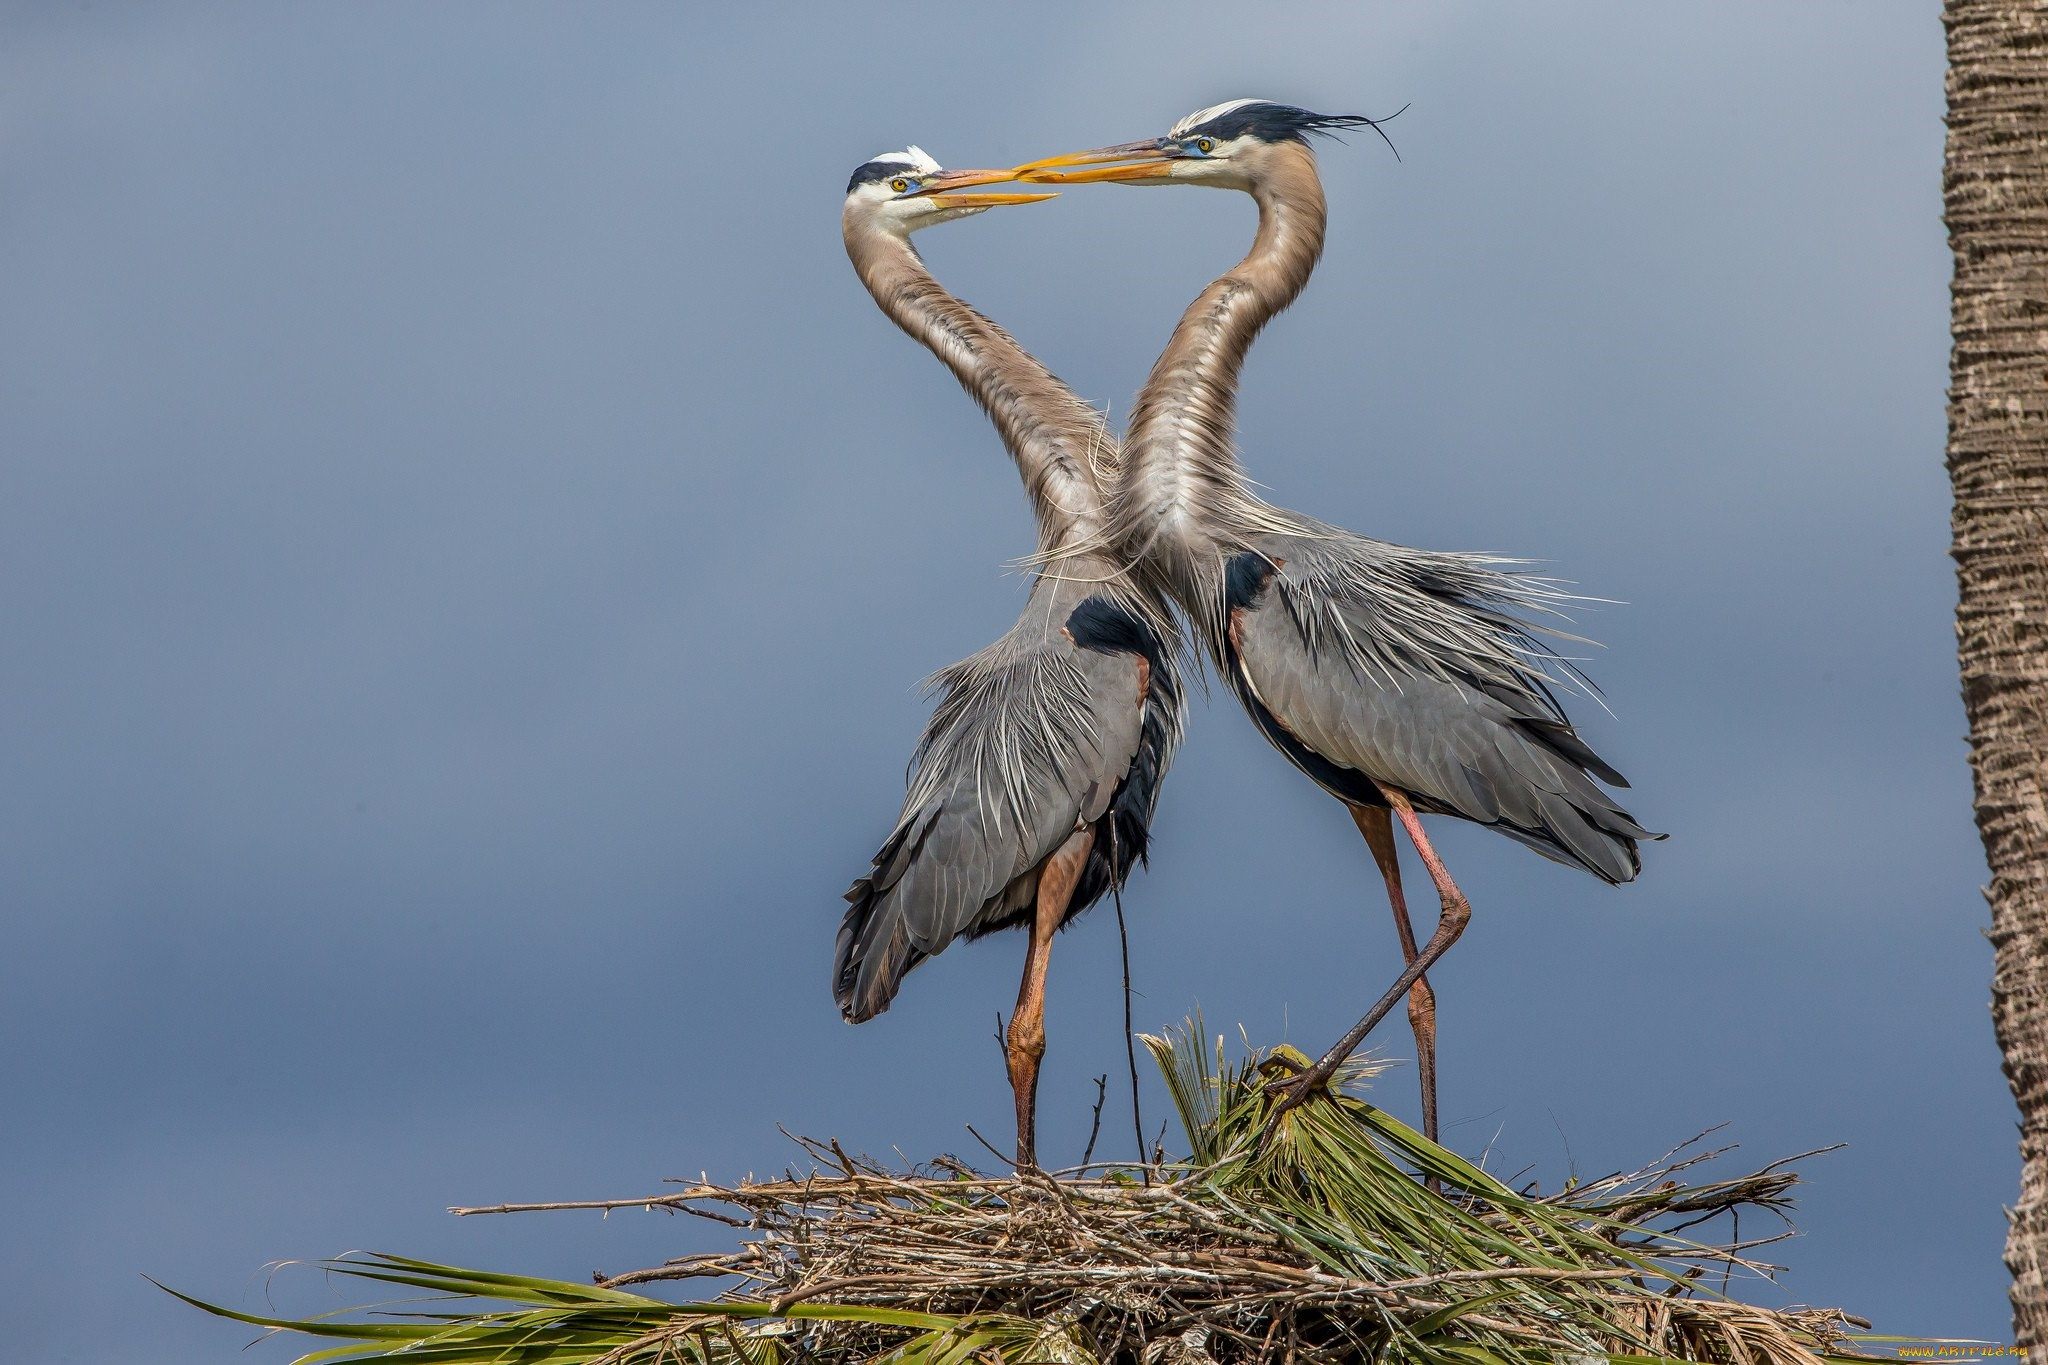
1289	1084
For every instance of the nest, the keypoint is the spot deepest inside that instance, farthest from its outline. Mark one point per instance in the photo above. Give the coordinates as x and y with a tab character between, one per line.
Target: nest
1335	1234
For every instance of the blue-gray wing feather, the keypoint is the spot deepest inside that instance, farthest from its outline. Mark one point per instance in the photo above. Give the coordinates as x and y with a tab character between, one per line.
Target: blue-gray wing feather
1368	663
1034	737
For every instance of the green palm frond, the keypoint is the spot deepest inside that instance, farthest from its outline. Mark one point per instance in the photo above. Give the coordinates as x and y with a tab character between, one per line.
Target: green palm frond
559	1322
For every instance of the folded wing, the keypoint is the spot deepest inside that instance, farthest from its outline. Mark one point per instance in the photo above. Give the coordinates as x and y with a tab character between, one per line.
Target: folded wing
1368	663
1034	737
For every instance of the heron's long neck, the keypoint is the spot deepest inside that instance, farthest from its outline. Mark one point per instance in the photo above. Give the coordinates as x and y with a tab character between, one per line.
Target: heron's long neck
1057	440
1183	499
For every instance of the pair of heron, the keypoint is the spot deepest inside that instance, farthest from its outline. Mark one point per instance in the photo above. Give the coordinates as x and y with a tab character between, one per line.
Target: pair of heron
1402	682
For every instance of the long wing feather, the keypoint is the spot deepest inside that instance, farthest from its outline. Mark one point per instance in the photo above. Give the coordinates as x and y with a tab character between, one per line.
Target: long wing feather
1367	662
1033	737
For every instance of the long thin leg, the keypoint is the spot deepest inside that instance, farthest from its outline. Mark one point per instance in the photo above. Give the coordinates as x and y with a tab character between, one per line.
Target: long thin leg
1376	823
1025	1041
1457	912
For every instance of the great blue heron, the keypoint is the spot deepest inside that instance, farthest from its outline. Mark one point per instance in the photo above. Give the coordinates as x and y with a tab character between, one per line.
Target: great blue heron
1399	680
1033	787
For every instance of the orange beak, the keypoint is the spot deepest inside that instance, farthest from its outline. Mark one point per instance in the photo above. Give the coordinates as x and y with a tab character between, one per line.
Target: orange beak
940	190
1140	161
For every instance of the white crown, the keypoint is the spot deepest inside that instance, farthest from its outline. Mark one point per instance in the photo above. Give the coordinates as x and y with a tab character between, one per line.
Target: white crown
913	156
1202	116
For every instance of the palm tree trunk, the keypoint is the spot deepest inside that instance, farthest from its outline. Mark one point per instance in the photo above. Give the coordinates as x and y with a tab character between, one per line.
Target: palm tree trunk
1995	189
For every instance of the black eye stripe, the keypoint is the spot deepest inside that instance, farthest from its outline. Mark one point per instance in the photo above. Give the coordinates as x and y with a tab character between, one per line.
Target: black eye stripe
1270	123
875	172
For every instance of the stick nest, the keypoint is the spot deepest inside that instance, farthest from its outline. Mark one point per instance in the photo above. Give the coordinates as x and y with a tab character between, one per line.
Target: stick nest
1337	1234
1325	1243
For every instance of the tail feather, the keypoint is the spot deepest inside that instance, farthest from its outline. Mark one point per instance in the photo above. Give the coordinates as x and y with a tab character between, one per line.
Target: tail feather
1582	821
872	954
873	950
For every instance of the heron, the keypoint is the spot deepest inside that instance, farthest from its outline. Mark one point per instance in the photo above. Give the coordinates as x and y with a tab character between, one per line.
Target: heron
1032	790
1402	682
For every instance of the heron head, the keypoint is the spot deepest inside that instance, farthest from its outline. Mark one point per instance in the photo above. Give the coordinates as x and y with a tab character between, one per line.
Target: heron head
904	191
1233	145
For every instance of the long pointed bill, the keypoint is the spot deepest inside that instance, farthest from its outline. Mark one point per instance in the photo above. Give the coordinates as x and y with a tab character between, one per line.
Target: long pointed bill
1136	170
939	189
1142	160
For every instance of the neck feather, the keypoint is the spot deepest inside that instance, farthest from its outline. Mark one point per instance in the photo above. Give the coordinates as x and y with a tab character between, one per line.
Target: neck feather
1059	443
1183	498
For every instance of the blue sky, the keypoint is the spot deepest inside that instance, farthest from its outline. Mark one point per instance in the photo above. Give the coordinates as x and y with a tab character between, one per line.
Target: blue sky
468	548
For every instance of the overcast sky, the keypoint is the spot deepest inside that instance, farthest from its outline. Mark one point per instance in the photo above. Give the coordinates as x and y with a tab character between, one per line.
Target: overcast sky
468	549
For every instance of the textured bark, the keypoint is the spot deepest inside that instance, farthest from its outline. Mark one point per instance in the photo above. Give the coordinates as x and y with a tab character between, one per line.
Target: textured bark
1995	189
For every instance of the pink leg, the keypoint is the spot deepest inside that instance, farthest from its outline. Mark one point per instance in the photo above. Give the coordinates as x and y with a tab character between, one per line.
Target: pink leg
1456	913
1025	1041
1377	825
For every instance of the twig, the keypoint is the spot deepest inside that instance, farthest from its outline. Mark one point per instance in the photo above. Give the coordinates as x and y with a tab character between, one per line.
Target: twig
1095	1121
1123	938
994	1150
711	1269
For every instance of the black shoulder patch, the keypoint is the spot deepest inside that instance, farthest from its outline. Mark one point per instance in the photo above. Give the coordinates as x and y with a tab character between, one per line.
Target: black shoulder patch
1101	625
1244	578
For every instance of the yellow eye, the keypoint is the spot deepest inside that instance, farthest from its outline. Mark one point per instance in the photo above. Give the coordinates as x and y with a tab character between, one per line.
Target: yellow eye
1207	144
899	184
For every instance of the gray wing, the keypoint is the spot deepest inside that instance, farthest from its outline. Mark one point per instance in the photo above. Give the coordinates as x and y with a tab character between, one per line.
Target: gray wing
1367	661
1029	742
